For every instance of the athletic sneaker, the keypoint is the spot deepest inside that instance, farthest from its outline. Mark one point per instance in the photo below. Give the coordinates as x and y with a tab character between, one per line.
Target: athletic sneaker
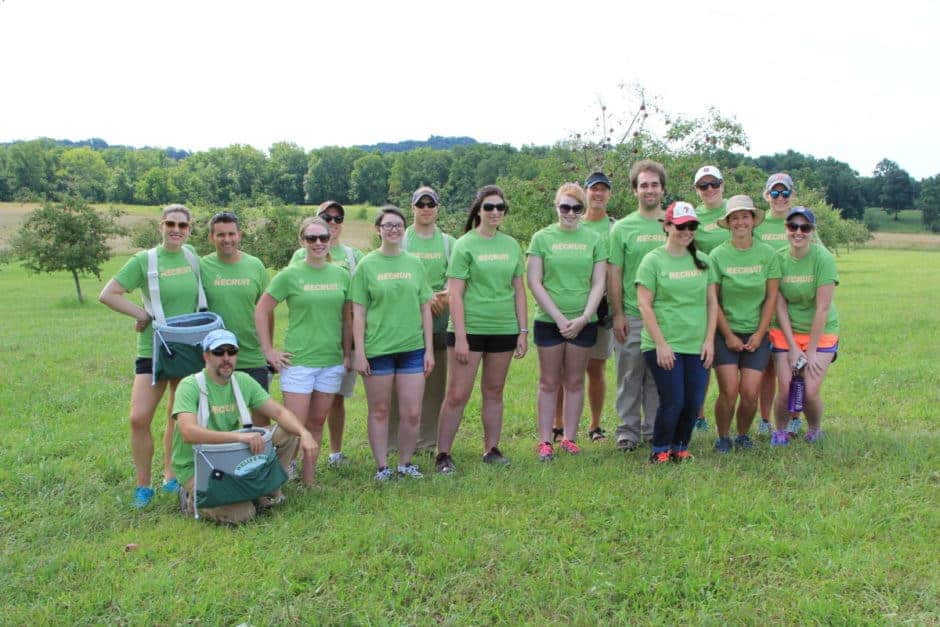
813	435
337	459
409	470
723	445
597	435
495	456
764	427
682	456
546	452
383	474
292	473
701	424
780	438
142	497
743	442
171	487
794	427
626	445
570	446
661	457
445	465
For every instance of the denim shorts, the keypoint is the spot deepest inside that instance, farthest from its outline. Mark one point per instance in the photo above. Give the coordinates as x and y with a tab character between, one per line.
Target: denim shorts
408	362
547	334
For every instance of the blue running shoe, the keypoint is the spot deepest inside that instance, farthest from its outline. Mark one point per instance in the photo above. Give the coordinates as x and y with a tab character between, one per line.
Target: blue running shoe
723	445
764	427
701	424
743	442
794	427
171	487
142	497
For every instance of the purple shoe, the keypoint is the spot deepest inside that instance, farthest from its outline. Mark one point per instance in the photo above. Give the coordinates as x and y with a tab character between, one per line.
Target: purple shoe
813	435
780	438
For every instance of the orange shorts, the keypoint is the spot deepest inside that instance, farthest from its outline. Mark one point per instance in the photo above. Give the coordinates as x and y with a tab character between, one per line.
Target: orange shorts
828	343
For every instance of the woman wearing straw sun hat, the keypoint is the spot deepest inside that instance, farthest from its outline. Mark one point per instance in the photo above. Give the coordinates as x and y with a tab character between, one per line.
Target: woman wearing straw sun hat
748	273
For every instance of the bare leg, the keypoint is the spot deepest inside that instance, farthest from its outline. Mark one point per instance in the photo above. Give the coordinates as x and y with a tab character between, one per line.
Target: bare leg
168	473
410	390
144	401
336	422
575	363
812	399
727	376
750	390
459	386
495	369
550	366
597	389
378	396
768	389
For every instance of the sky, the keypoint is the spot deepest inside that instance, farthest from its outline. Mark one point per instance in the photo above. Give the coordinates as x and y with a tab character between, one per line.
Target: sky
858	84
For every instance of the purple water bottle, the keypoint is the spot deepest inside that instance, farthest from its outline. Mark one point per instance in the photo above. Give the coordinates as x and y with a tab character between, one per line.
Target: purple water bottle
797	387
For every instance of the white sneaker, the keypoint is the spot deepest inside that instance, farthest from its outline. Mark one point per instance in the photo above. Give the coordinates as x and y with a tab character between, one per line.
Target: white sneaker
338	459
409	470
383	474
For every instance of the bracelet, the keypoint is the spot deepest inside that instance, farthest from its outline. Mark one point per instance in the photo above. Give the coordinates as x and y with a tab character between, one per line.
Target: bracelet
523	331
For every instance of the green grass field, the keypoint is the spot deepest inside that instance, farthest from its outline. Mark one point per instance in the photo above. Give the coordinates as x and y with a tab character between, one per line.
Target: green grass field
909	221
842	532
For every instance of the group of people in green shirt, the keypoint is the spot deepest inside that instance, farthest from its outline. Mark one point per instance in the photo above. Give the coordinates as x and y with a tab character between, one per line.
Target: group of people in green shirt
672	293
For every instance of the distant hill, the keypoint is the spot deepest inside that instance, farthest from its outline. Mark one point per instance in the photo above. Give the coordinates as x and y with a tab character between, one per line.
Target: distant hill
434	141
97	143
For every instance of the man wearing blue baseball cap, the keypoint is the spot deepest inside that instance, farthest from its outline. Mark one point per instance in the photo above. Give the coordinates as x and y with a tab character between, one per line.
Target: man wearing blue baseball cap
223	386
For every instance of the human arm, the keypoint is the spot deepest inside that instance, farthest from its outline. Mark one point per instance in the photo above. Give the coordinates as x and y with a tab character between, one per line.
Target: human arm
287	420
664	354
360	363
193	433
347	335
522	317
455	288
824	295
114	296
732	341
708	347
534	274
428	328
783	321
264	326
766	314
615	301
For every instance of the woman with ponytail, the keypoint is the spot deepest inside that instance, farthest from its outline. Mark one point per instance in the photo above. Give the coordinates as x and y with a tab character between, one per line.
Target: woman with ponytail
677	298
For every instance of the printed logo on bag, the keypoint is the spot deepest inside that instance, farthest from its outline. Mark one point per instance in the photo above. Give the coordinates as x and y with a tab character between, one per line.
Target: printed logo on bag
248	465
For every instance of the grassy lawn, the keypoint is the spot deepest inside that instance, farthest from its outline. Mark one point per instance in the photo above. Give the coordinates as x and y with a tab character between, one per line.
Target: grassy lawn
842	532
909	221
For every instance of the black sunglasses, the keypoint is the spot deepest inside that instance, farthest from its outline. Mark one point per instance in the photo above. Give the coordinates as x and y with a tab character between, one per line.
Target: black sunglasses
171	224
774	193
500	206
571	208
713	185
793	227
686	226
323	237
218	352
425	205
329	217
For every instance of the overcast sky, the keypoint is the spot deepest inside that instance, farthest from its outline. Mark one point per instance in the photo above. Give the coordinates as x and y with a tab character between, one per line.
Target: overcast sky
858	84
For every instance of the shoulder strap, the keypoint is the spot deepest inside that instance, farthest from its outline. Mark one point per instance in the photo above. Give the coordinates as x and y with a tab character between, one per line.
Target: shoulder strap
151	297
446	245
202	416
350	258
194	264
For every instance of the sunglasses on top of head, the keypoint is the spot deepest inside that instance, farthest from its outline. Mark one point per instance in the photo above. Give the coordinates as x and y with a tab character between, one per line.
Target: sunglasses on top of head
323	237
776	193
500	206
793	227
231	351
170	224
576	209
706	185
329	217
685	226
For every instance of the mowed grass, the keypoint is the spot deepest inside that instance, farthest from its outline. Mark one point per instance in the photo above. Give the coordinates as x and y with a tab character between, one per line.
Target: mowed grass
842	532
908	220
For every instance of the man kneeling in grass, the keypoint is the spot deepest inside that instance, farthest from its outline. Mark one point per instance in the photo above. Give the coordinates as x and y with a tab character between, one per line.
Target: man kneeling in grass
220	351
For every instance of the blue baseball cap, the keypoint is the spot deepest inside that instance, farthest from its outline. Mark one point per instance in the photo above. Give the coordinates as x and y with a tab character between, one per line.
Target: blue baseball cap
803	211
217	338
595	178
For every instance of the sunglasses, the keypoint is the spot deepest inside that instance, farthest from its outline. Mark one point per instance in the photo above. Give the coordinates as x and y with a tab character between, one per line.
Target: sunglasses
776	193
218	352
173	225
500	206
571	208
392	226
686	226
329	217
713	185
323	237
425	205
793	227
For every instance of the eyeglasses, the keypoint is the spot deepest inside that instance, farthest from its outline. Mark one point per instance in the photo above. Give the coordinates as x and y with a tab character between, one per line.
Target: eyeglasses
425	205
170	224
500	206
775	193
323	237
392	226
686	226
571	208
793	227
231	351
713	185
329	217
223	216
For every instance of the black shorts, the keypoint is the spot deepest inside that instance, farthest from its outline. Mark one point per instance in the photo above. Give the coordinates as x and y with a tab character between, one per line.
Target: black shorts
757	360
260	374
143	365
547	334
487	343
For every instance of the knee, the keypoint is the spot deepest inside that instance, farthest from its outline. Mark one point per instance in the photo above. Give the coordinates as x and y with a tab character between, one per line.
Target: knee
547	385
379	411
457	398
494	391
140	420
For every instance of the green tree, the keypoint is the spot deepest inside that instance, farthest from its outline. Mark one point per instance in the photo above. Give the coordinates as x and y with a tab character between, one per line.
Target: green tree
286	169
928	201
369	180
410	170
67	237
156	187
897	187
31	168
83	172
328	174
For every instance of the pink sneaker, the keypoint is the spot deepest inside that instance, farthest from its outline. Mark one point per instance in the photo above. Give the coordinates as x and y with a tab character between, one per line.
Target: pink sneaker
570	446
546	452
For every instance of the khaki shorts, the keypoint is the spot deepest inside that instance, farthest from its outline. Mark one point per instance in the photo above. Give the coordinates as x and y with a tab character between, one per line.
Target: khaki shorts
603	347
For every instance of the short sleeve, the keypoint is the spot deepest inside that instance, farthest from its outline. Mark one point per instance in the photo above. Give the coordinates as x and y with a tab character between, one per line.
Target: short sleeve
646	274
132	275
826	273
600	250
359	288
460	260
520	266
186	399
774	269
615	247
535	246
279	288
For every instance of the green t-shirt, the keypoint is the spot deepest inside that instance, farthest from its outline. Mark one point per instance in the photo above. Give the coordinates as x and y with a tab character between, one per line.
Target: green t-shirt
773	232
338	254
600	227
742	280
179	292
487	265
631	238
798	284
709	235
232	290
568	259
680	299
431	252
223	413
392	290
315	299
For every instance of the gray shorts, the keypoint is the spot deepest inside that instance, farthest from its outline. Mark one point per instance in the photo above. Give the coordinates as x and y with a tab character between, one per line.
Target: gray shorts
604	346
745	359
